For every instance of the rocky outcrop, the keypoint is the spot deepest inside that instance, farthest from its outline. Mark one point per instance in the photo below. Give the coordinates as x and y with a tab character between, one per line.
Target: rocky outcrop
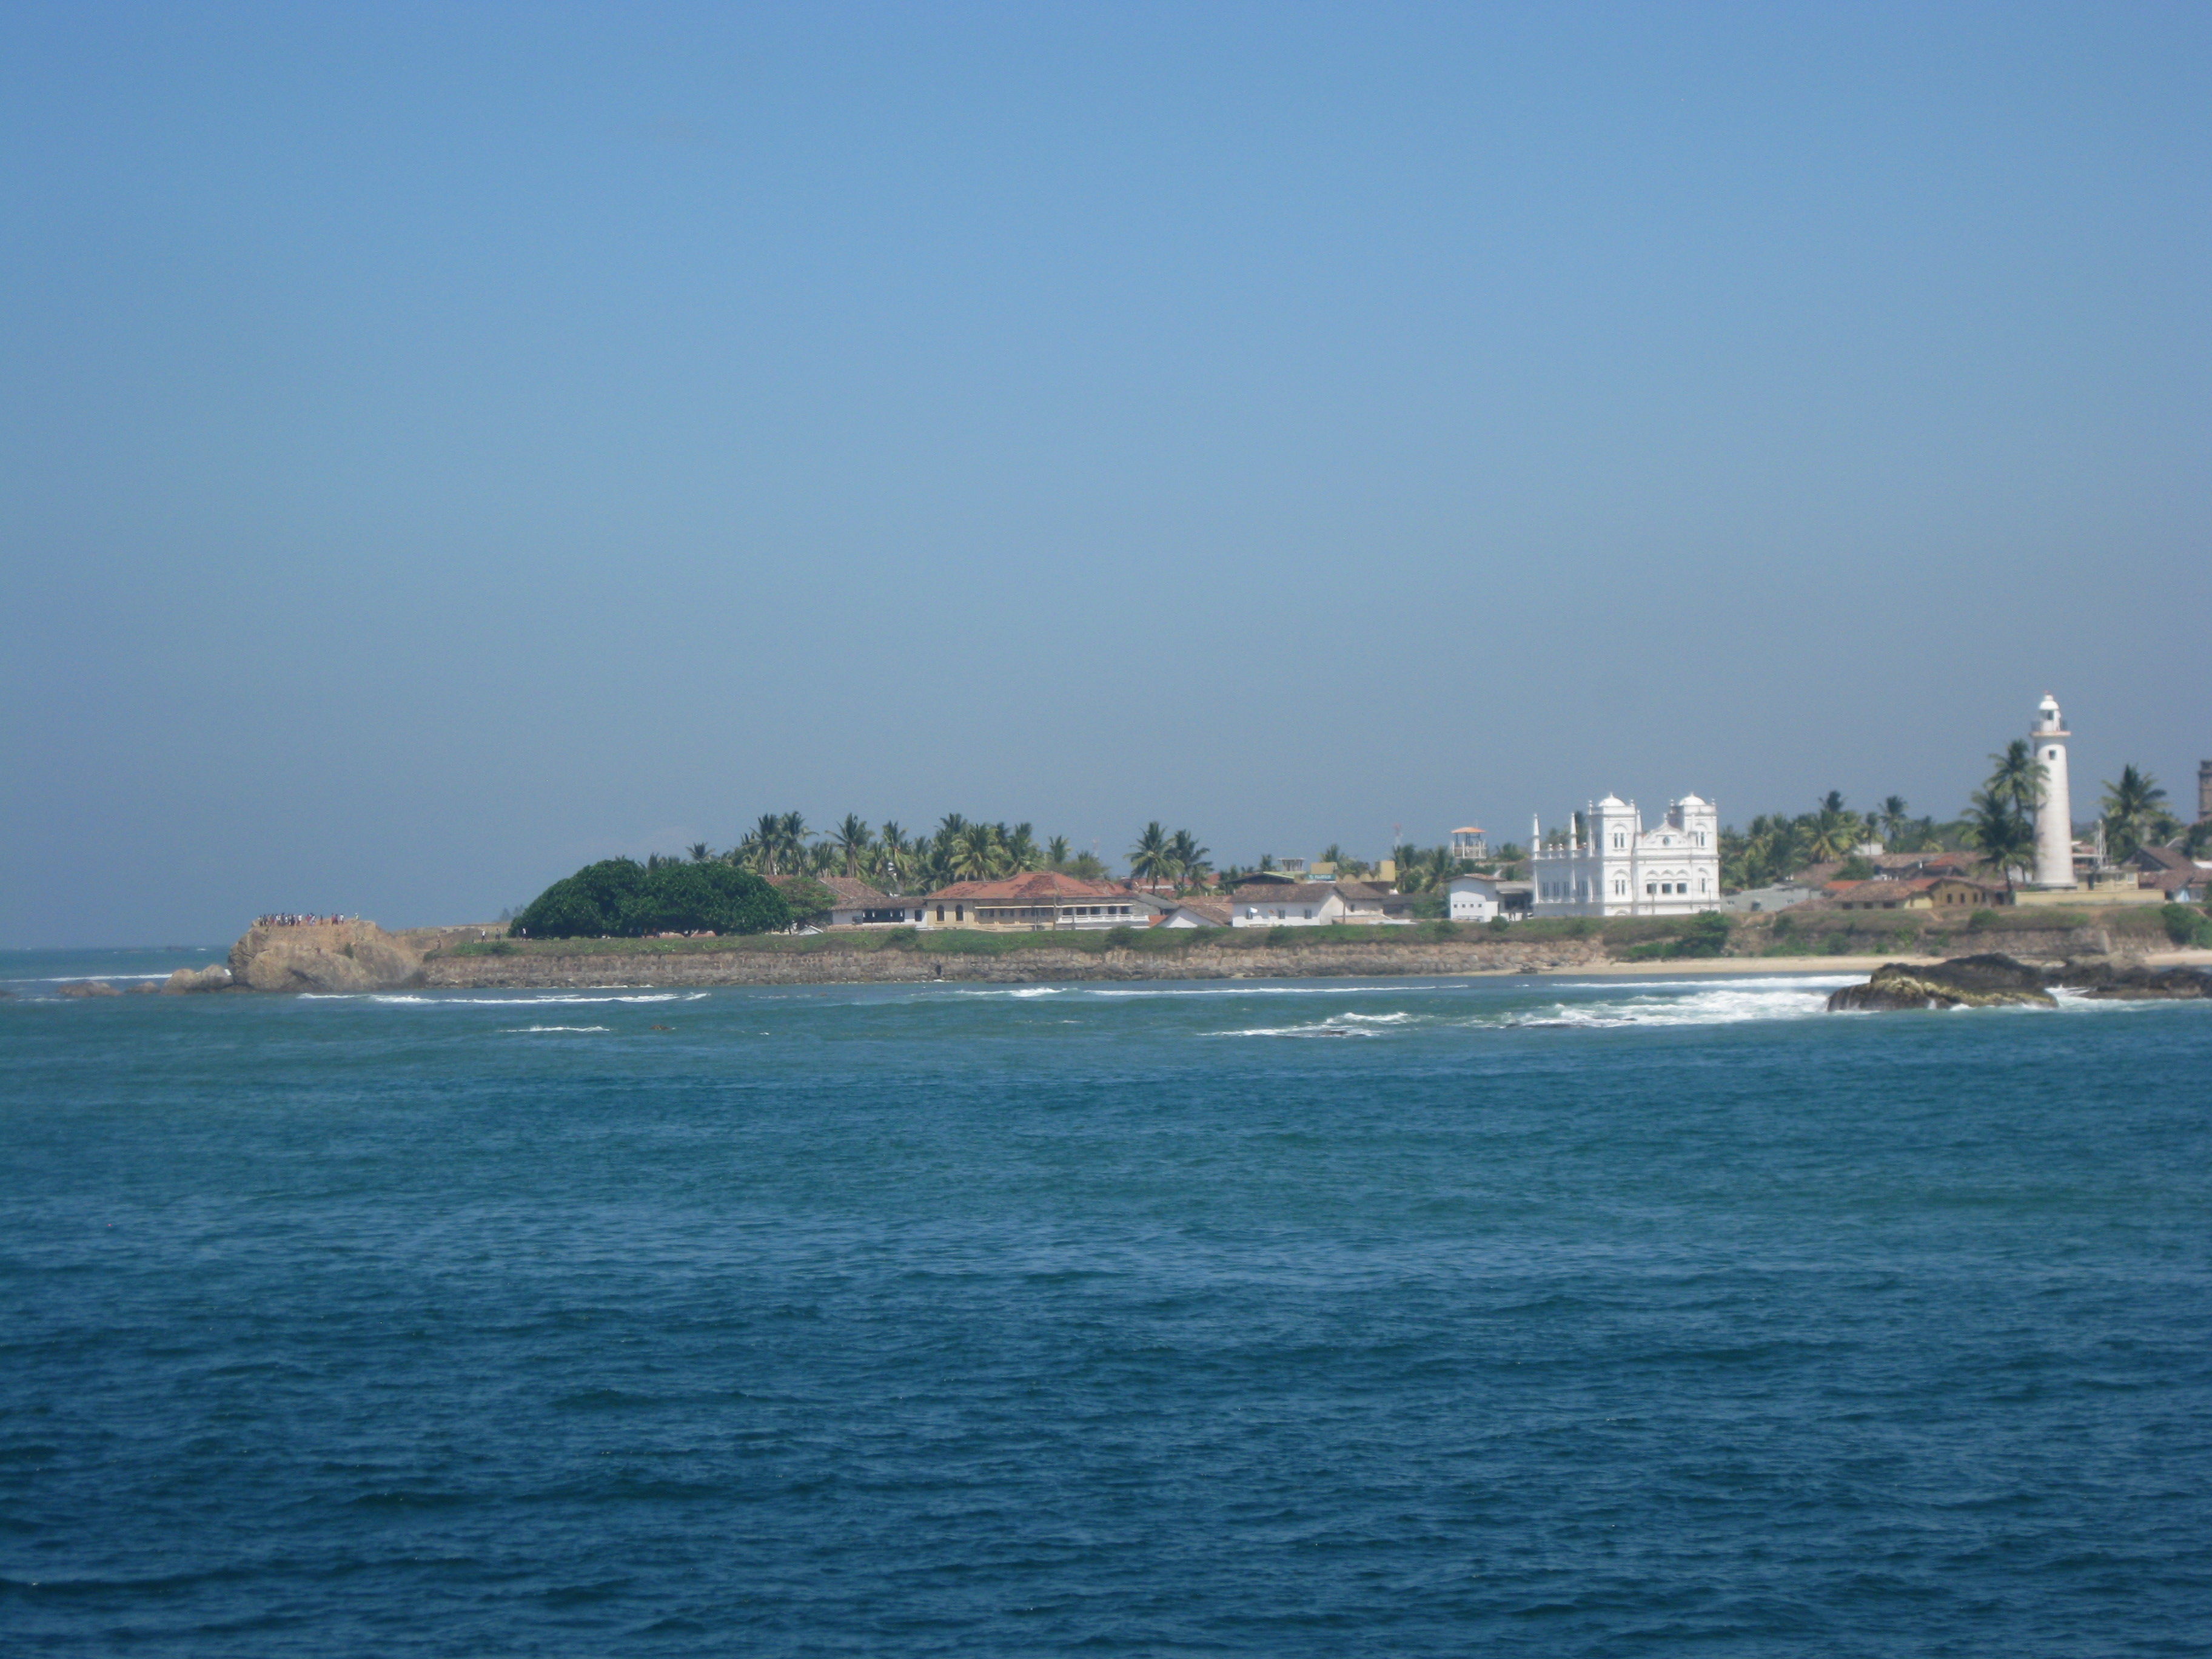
1985	981
2110	982
327	955
217	978
88	987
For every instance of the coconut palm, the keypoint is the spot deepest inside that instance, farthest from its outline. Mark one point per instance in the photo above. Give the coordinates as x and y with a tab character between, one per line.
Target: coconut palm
2132	809
977	853
701	851
2004	832
1891	816
1023	852
1189	859
1835	831
892	856
1149	859
791	841
763	847
1056	853
850	839
2019	779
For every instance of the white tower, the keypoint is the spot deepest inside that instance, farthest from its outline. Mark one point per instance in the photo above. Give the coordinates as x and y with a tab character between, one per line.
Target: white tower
2054	818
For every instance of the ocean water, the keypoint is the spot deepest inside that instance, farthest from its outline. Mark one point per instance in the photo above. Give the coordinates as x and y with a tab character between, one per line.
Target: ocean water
1545	1318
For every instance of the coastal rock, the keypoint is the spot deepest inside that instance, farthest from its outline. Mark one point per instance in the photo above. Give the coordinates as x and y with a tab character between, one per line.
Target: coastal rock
88	987
217	978
1983	981
324	956
2136	981
144	987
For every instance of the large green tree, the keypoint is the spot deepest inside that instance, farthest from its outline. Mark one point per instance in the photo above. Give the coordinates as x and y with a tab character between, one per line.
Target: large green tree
621	898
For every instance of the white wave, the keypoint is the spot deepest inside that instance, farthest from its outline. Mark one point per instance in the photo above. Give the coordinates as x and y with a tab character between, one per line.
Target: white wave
397	997
1244	988
1763	981
1375	1019
527	1030
1326	1027
1727	1004
79	979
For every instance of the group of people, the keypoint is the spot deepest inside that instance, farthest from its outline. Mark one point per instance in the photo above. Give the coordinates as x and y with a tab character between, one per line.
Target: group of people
288	919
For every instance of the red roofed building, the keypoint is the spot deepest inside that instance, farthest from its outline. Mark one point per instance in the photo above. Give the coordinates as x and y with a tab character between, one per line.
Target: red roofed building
1041	899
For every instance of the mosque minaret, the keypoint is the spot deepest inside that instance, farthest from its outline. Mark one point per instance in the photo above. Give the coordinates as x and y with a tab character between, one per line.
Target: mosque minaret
2054	818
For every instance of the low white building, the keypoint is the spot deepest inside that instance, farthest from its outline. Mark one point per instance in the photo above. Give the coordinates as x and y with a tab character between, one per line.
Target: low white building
1472	898
1614	866
1287	904
1197	913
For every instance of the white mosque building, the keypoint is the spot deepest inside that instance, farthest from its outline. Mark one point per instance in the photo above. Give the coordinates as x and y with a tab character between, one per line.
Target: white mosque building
1616	868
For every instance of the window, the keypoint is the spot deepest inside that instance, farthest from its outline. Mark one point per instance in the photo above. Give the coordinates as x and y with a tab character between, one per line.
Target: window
1650	887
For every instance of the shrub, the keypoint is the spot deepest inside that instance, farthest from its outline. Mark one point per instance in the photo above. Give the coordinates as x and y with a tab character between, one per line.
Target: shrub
1705	934
2187	925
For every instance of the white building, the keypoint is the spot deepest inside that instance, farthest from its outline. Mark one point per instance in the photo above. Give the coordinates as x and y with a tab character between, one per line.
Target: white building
1287	904
2054	817
1616	868
1472	898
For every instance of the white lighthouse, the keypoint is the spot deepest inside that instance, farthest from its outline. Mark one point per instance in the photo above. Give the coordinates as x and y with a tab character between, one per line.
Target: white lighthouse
2054	817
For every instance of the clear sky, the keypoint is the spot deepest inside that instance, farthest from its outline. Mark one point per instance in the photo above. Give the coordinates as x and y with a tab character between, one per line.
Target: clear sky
442	444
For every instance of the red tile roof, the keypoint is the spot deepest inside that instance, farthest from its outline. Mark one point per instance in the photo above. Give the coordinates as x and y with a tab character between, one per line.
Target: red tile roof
1037	887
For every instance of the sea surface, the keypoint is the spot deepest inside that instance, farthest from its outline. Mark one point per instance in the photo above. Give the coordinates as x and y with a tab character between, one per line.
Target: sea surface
1596	1316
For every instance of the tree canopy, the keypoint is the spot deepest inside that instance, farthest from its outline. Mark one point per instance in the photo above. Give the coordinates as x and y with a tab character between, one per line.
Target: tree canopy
621	898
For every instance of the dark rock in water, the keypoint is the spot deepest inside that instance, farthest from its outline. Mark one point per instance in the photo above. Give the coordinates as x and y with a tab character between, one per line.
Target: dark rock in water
88	987
2136	981
1985	981
145	988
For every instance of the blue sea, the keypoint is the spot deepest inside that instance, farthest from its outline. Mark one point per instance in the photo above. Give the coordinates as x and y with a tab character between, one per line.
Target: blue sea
1599	1316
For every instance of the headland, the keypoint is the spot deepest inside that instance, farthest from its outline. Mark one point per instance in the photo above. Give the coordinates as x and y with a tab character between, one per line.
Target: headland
358	955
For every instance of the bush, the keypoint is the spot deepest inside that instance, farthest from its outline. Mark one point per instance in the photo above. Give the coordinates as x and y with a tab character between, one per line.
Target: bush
1705	934
2187	925
620	898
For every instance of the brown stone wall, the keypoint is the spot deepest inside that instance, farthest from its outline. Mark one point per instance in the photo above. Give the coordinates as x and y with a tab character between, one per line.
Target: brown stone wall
1013	968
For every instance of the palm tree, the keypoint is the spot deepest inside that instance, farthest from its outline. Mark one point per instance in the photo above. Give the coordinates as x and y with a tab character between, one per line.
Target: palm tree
1022	851
1892	817
977	853
791	841
1835	832
850	838
891	855
2020	778
701	851
1332	856
766	843
1149	860
2132	807
1056	853
1189	859
2005	833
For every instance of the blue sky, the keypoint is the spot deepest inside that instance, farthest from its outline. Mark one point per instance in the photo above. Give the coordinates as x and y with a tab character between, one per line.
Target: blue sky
445	445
